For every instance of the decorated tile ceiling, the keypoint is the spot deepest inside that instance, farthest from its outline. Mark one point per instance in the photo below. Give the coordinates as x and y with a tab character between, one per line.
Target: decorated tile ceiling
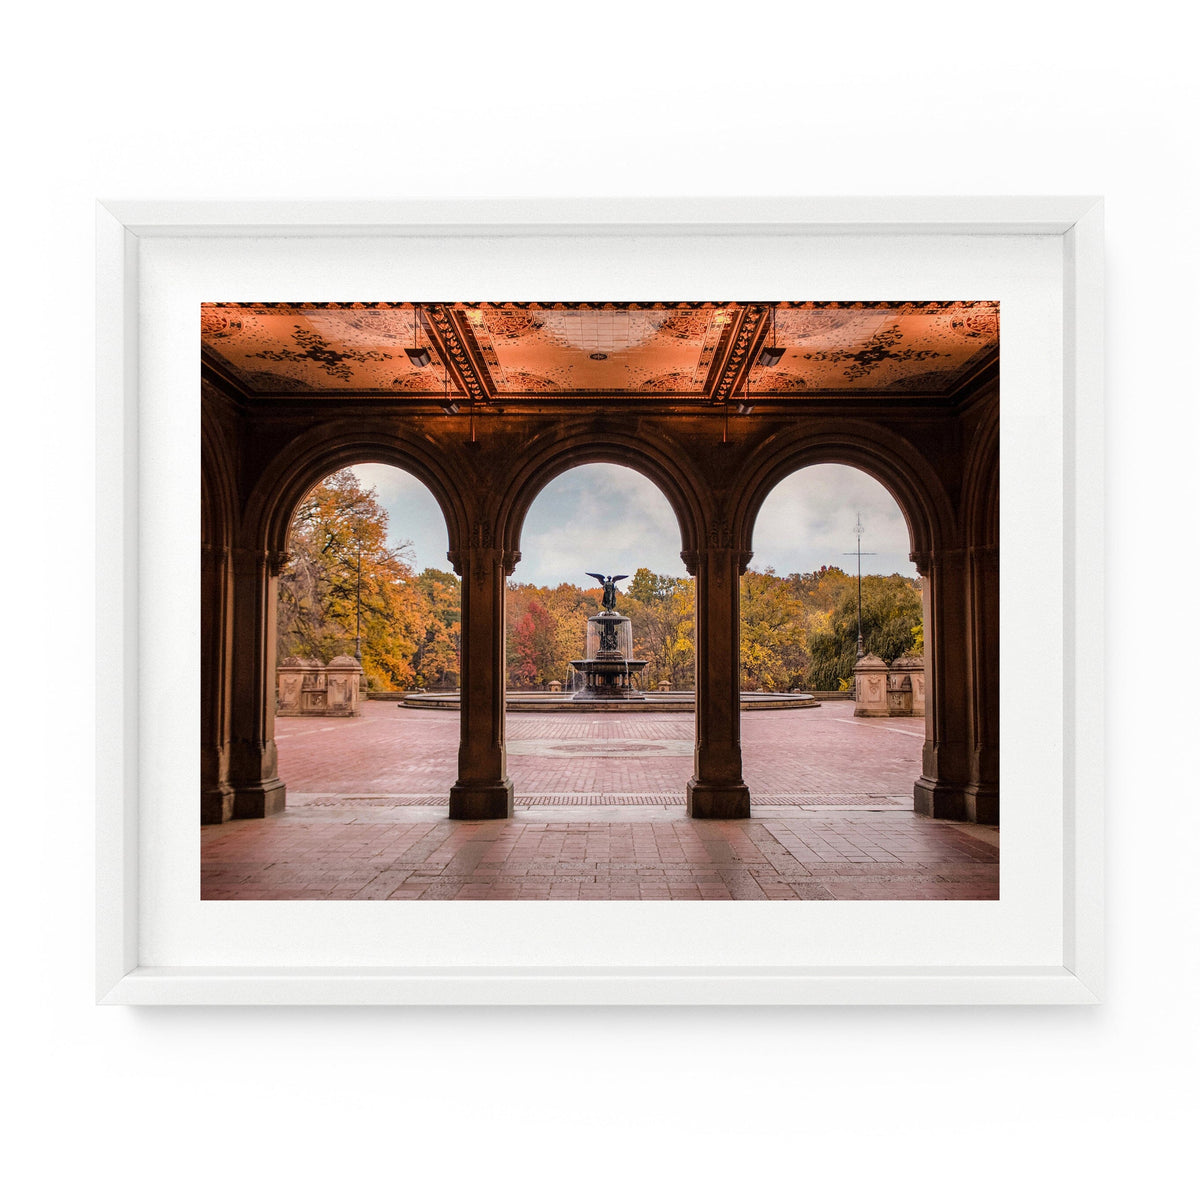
559	353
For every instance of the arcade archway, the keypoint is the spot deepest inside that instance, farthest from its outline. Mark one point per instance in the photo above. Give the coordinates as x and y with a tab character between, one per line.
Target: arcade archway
496	399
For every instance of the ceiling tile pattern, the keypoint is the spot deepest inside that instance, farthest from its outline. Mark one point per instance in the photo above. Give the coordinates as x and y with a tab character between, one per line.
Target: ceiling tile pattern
676	352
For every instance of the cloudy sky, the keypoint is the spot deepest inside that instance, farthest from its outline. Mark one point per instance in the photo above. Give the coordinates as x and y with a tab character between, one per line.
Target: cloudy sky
612	520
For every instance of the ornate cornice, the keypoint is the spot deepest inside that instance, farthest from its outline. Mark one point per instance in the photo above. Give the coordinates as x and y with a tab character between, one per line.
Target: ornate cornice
751	325
468	379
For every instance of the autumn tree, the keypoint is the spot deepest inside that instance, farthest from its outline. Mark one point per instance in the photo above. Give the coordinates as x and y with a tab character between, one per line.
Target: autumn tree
662	609
435	663
341	576
774	638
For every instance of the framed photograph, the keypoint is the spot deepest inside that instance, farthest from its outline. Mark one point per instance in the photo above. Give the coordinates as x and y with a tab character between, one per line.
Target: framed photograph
950	348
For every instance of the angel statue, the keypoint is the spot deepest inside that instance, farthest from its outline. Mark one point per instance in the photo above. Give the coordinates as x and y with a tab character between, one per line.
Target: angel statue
609	583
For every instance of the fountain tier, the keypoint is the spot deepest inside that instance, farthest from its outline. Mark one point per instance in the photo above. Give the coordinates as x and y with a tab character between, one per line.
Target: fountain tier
608	669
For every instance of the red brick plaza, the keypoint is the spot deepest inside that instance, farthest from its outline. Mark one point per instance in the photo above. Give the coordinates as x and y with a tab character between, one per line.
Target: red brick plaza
600	815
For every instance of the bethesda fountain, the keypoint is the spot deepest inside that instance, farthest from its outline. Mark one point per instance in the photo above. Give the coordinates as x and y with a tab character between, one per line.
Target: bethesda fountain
608	666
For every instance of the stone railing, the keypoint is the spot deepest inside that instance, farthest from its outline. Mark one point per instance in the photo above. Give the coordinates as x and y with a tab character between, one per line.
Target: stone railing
895	691
306	687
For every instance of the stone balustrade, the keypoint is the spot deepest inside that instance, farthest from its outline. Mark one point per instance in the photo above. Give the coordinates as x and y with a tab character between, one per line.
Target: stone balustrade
307	687
895	691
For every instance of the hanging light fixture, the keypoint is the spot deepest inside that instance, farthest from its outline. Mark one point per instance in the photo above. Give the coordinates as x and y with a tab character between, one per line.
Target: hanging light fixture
772	355
744	406
418	355
449	406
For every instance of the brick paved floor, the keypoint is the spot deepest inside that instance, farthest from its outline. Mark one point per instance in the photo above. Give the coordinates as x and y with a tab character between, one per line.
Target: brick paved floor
406	756
609	853
600	816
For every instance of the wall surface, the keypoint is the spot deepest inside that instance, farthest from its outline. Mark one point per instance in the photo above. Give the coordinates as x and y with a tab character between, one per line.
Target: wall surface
138	100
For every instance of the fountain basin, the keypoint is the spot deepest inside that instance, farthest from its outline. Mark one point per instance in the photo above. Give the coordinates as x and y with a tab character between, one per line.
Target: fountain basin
650	702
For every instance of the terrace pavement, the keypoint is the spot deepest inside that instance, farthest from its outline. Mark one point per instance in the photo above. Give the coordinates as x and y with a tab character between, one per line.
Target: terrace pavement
599	815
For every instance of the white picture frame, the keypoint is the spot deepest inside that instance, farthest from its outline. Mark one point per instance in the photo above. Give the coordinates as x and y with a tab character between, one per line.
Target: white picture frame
138	963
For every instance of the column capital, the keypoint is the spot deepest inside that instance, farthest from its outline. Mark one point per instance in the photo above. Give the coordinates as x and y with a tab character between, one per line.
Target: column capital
694	557
926	560
477	562
249	560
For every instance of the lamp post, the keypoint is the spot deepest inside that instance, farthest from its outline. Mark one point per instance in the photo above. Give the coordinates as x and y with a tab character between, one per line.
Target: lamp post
859	530
358	610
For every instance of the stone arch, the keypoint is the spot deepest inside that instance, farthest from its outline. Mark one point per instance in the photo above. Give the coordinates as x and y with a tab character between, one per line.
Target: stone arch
935	537
300	465
890	460
668	471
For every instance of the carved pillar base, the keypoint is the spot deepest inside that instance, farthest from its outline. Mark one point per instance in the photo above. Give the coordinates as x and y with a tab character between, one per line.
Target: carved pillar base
932	798
482	802
216	805
719	802
982	803
260	800
216	794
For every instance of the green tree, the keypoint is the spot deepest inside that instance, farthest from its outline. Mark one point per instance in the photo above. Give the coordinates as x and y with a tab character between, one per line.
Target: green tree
891	624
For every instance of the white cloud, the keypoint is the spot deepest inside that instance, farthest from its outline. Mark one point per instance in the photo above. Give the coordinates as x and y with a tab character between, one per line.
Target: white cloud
608	518
601	518
808	521
413	513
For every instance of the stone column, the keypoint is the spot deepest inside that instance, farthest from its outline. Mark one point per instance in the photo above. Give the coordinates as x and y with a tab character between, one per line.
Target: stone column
253	772
483	790
717	790
216	607
940	790
982	795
